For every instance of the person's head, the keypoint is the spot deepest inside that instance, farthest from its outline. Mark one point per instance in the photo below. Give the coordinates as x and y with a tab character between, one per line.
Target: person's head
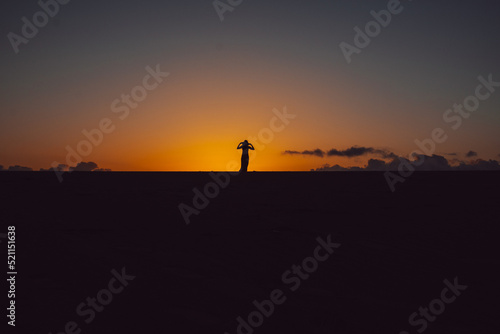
245	141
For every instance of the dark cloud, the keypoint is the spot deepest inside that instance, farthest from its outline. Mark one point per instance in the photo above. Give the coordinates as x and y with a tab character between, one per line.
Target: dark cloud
386	154
421	163
317	152
394	162
431	163
80	167
351	152
479	164
59	168
18	168
376	165
373	165
84	167
1	168
328	168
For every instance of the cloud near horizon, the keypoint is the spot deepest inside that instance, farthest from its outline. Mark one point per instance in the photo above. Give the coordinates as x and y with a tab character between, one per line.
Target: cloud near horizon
80	167
84	167
18	168
426	163
354	151
393	161
317	152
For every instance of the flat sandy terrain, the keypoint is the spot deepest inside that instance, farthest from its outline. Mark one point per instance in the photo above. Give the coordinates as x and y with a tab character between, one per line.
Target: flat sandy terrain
392	253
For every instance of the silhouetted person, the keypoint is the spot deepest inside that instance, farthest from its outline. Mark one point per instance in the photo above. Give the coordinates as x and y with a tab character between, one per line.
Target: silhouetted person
244	145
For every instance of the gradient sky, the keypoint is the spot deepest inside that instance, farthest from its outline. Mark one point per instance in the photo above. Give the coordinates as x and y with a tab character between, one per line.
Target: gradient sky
226	78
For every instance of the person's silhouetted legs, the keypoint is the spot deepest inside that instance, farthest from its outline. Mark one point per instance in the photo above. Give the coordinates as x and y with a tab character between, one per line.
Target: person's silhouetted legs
244	163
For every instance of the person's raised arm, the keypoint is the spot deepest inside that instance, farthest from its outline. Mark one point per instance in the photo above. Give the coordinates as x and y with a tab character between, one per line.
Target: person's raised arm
250	146
239	145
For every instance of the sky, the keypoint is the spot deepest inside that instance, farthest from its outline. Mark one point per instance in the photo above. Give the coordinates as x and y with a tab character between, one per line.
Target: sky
229	79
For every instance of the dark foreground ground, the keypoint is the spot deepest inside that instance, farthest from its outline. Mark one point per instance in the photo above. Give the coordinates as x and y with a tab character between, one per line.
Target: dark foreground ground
396	250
